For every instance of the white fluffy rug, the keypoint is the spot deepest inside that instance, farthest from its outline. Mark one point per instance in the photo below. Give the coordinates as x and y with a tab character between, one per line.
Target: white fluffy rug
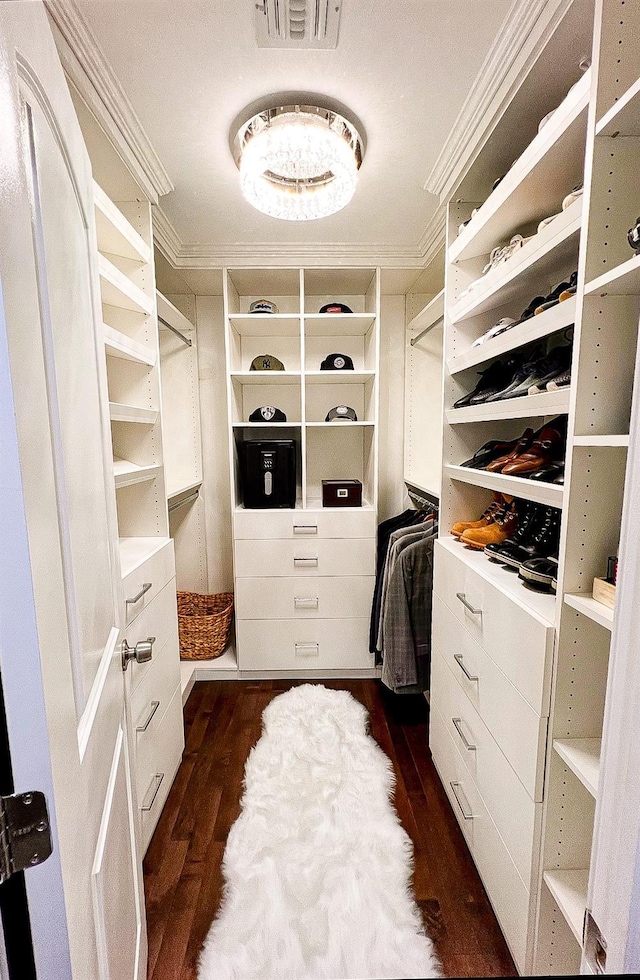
317	866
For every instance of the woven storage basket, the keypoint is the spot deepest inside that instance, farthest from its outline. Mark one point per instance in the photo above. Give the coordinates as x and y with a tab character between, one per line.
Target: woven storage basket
203	624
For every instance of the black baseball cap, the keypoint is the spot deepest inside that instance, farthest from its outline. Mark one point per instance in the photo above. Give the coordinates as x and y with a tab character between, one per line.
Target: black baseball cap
335	308
337	362
267	413
341	413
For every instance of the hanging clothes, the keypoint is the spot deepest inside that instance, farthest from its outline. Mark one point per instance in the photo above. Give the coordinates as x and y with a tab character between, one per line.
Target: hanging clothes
408	518
398	541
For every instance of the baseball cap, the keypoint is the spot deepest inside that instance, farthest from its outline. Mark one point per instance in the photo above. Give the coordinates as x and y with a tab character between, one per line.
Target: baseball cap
337	362
266	362
341	413
267	413
335	308
263	306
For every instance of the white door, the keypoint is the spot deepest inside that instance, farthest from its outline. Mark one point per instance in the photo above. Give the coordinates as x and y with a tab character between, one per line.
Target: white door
59	573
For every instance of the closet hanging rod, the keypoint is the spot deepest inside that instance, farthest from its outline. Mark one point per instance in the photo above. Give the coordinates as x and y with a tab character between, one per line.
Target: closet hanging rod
426	330
422	497
182	337
185	500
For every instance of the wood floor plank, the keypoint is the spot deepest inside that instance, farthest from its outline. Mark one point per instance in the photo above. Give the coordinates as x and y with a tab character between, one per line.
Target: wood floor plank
183	866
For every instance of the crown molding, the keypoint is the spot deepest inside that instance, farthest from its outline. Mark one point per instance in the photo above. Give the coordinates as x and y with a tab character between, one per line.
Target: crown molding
433	238
525	31
88	69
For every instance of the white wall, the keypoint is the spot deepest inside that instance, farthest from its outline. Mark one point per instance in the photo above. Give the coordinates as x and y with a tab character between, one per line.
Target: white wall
215	450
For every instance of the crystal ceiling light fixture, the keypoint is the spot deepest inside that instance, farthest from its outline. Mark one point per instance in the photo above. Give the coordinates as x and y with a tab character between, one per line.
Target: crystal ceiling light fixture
298	162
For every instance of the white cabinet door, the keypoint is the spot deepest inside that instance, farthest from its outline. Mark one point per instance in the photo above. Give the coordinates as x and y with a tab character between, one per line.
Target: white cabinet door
59	575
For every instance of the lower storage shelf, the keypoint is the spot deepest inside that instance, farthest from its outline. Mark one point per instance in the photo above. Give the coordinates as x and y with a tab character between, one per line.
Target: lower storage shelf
569	889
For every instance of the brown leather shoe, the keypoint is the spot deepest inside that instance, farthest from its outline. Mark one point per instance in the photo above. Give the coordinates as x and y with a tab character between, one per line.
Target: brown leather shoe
496	504
547	447
501	528
520	447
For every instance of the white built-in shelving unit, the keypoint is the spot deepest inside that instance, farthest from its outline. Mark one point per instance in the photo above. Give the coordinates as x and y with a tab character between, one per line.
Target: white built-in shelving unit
329	636
571	660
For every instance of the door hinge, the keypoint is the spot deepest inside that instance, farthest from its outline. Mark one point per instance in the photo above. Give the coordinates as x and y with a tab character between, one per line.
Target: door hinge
25	834
595	945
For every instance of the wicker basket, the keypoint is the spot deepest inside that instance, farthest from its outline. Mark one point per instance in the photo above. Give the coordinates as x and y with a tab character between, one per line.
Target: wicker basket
203	624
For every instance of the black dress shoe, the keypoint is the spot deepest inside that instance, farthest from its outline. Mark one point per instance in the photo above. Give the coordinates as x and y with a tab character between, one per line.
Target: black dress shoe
542	542
540	573
553	473
521	373
489	378
529	514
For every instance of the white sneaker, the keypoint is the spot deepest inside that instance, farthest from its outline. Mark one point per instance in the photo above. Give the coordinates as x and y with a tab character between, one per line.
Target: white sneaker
499	328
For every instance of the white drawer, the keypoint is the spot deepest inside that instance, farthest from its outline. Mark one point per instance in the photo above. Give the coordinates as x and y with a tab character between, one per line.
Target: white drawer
147	580
149	703
304	598
505	888
309	558
454	775
310	644
513	723
168	745
517	640
511	807
297	524
159	619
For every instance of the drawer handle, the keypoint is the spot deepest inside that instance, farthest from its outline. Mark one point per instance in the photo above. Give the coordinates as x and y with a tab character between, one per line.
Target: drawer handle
467	816
458	727
307	649
305	528
305	562
461	664
305	602
159	776
154	707
136	598
467	605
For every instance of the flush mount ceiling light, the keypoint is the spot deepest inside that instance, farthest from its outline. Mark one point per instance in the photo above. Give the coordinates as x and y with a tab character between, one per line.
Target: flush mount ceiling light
298	162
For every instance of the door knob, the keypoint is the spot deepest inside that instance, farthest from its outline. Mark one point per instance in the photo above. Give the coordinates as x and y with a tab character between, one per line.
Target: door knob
142	652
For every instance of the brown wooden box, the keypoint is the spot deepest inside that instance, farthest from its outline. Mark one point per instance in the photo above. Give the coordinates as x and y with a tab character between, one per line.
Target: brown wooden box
341	493
604	592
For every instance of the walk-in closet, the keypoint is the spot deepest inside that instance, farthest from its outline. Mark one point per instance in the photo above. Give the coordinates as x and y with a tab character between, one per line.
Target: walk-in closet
319	433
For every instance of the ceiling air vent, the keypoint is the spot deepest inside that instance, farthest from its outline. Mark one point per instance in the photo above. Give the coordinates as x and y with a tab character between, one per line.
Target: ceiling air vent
297	23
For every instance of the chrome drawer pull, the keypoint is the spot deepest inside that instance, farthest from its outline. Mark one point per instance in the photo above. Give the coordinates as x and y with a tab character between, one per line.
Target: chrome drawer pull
305	528
460	662
307	649
305	562
465	602
154	707
458	727
467	816
305	602
159	776
136	598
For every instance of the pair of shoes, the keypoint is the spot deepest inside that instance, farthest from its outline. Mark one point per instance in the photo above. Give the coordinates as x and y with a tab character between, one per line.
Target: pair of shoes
541	373
536	535
534	451
502	253
540	574
633	236
492	379
497	527
563	291
485	518
504	324
572	196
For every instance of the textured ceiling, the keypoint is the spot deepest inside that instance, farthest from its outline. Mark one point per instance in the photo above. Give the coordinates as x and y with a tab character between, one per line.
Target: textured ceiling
404	67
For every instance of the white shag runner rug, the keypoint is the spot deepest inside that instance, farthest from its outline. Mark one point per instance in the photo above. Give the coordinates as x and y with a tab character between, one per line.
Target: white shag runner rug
317	866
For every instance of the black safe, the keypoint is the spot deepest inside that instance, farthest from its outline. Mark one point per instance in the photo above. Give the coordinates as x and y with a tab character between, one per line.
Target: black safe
268	473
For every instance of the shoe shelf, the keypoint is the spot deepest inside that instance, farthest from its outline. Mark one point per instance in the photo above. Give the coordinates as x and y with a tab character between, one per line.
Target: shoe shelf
119	345
119	291
590	607
537	182
126	474
132	413
429	315
553	248
623	118
623	280
550	494
557	318
540	604
582	755
116	235
546	403
569	889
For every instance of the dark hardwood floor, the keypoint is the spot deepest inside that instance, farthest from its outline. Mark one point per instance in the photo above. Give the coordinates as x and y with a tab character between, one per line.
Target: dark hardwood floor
182	869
